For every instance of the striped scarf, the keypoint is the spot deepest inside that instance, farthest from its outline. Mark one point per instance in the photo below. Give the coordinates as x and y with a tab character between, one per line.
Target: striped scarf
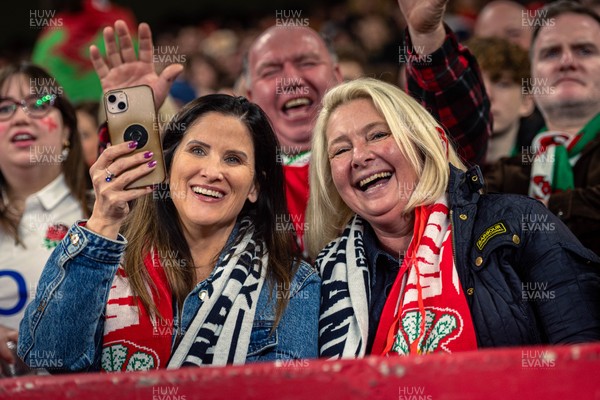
220	332
426	310
345	294
555	155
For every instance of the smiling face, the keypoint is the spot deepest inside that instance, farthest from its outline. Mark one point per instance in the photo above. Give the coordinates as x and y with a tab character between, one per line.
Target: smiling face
290	71
566	61
368	169
212	174
27	142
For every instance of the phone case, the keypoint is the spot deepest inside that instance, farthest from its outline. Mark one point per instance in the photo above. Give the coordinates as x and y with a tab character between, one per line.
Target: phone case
131	115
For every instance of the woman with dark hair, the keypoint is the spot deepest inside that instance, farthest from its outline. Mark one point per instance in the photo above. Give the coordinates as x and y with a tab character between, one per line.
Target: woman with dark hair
43	185
207	277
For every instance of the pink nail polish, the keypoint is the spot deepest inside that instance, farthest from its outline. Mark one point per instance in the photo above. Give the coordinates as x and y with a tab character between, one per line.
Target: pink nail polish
133	145
148	154
152	164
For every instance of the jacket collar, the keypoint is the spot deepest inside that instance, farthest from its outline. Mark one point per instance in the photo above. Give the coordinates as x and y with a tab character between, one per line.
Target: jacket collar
464	186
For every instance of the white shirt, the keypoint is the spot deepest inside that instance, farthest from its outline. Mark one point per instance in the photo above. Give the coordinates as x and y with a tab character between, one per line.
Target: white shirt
21	267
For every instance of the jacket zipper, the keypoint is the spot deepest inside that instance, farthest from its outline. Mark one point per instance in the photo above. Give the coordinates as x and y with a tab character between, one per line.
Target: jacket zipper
453	232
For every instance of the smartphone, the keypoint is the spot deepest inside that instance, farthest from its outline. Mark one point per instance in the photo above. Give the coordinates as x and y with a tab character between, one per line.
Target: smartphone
131	115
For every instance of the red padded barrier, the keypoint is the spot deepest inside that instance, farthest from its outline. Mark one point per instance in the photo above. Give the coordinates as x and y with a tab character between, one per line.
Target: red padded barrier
558	372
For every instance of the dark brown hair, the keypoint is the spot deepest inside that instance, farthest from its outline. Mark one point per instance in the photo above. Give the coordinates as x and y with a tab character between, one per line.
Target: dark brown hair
498	58
153	222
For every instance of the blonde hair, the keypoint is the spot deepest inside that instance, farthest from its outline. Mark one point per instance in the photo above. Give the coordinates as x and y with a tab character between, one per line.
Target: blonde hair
414	130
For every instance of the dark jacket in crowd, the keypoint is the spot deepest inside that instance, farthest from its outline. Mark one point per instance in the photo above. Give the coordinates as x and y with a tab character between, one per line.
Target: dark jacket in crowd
579	209
527	278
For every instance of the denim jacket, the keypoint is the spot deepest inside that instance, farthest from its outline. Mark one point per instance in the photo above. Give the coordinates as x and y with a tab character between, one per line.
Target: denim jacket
63	327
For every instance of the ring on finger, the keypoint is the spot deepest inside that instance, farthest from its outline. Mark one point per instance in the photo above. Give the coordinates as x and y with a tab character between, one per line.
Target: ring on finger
109	175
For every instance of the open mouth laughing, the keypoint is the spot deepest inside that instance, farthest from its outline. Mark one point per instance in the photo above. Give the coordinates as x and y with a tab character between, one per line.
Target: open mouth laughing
373	180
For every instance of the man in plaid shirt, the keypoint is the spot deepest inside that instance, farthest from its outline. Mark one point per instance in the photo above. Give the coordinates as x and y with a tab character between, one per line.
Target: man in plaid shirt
448	84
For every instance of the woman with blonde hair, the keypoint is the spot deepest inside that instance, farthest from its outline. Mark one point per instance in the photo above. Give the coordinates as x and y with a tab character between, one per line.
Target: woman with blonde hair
414	258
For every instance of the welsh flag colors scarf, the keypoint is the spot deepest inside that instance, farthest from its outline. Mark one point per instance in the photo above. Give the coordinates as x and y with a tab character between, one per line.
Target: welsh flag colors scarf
555	155
426	310
135	340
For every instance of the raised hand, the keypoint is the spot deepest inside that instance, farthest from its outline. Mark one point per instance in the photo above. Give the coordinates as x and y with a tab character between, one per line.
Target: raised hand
123	69
425	22
113	171
423	16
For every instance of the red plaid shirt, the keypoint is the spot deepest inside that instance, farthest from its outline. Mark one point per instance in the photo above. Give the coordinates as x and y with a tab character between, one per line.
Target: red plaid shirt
450	87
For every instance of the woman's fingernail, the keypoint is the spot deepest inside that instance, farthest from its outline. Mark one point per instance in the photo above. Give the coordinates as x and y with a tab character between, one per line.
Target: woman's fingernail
148	154
133	145
152	164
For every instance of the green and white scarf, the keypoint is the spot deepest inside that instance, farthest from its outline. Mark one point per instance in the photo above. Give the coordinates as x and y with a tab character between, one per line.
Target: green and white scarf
555	155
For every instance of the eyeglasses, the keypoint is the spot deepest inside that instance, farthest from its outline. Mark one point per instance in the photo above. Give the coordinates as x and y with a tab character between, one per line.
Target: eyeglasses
36	107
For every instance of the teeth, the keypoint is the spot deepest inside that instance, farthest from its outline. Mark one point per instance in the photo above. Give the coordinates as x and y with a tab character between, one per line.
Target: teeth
301	101
23	136
371	178
207	192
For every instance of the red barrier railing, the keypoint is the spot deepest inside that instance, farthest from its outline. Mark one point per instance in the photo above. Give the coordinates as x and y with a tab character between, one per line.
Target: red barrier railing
558	372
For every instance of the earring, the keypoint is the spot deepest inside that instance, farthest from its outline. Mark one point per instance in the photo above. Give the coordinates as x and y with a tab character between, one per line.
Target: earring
65	151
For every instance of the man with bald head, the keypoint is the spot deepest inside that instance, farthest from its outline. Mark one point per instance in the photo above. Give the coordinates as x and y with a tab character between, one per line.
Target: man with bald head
505	19
289	69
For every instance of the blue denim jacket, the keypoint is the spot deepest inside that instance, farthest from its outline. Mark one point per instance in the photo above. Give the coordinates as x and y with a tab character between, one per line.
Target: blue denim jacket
63	327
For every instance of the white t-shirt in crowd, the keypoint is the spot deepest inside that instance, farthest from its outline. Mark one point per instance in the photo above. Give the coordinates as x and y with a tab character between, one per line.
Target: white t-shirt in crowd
48	215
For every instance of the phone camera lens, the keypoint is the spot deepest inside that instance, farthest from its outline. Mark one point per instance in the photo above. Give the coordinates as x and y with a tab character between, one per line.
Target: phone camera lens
137	135
112	98
121	105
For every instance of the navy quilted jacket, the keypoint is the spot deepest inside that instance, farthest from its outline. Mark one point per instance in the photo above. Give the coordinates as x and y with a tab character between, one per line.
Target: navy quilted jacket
528	280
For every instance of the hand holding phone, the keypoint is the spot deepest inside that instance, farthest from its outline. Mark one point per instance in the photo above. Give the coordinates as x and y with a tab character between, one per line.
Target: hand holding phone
131	116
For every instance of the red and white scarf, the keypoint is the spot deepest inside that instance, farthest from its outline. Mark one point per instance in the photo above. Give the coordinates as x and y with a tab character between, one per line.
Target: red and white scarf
426	310
134	340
